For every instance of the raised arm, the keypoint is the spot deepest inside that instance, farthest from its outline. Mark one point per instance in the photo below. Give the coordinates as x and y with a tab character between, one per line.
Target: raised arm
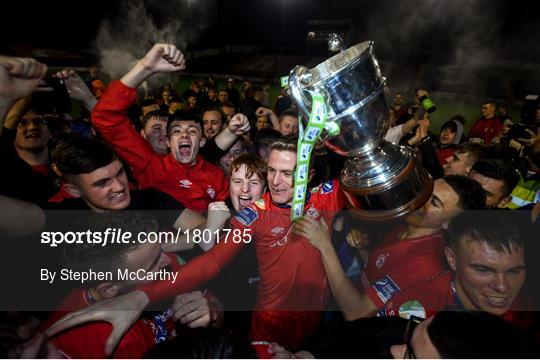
110	117
238	125
77	89
19	77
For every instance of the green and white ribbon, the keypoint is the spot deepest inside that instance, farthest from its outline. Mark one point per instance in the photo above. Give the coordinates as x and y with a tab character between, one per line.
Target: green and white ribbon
306	143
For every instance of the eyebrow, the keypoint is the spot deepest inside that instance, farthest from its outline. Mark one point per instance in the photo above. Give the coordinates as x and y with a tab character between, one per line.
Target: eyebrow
519	267
437	199
104	180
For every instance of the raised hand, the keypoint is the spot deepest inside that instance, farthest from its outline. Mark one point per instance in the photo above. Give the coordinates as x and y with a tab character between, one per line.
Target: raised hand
77	88
218	214
164	58
239	124
19	77
262	111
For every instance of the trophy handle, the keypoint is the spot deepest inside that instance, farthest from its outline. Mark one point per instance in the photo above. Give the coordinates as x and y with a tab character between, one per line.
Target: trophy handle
299	77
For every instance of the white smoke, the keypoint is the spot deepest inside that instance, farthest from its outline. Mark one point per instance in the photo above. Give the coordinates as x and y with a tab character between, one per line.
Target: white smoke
126	36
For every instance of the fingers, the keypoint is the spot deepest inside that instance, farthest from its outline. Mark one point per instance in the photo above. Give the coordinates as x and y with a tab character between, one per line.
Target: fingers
112	341
172	55
70	320
262	111
25	68
190	307
64	74
218	205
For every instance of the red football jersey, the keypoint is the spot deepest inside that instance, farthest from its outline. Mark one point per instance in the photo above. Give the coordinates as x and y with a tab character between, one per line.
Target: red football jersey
398	263
292	274
195	186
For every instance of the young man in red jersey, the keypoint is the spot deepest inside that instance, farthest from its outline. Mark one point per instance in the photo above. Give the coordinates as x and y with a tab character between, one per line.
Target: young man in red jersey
407	255
182	173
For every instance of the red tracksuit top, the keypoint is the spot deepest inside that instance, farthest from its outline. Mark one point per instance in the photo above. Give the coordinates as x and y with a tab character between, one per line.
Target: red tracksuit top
486	129
195	186
398	263
291	269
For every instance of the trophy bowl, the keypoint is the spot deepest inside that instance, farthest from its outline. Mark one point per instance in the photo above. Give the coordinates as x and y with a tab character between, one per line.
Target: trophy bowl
381	180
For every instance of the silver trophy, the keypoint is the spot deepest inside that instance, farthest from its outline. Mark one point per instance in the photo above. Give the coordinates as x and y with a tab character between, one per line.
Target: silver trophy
382	180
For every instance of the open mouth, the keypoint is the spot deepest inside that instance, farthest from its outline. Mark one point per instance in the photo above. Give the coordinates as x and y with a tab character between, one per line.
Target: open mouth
33	135
244	200
121	196
498	301
185	149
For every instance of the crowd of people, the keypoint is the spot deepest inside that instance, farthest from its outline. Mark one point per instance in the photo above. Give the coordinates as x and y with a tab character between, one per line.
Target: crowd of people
447	280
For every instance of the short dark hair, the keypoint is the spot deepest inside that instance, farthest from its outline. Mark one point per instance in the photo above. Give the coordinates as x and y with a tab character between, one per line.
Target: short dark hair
476	151
216	109
496	230
203	343
182	115
470	193
500	170
154	113
110	258
288	112
74	154
469	334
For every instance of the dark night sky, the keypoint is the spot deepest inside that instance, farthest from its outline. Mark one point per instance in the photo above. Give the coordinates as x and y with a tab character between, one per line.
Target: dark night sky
471	39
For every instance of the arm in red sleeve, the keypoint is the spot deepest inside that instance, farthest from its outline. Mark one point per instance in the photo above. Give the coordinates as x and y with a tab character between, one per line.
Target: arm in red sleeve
197	271
110	119
223	191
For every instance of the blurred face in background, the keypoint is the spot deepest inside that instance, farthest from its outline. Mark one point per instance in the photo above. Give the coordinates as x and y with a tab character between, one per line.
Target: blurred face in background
213	123
234	152
155	132
488	110
288	125
223	96
262	122
447	136
32	133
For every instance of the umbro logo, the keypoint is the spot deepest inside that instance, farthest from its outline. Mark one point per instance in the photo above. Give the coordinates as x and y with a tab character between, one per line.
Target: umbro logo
185	184
277	230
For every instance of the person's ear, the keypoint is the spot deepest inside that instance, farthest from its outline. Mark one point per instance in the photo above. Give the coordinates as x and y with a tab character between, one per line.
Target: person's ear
450	257
505	200
72	190
445	225
202	142
108	290
143	134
